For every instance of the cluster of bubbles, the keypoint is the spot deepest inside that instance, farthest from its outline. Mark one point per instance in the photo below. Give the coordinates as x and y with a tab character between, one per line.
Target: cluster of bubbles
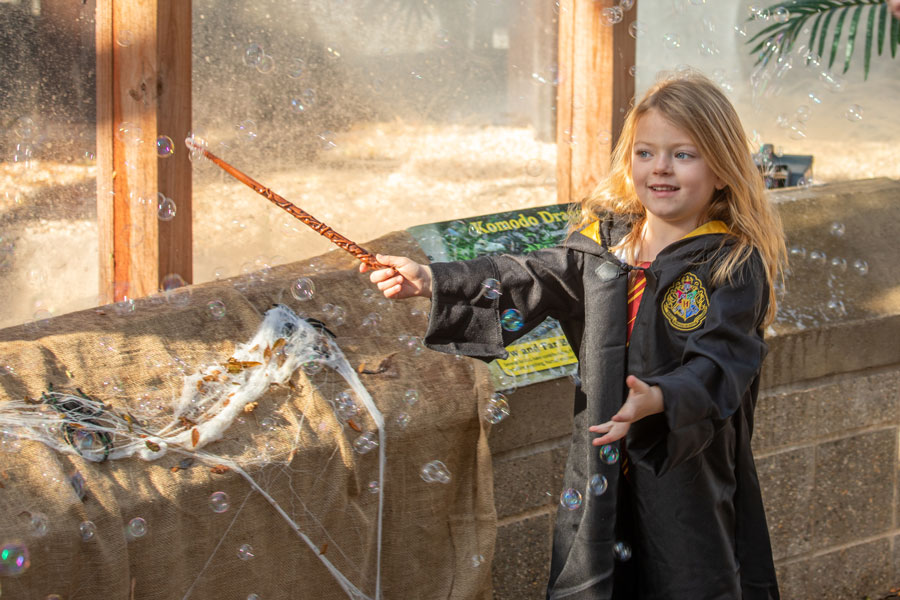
255	57
836	270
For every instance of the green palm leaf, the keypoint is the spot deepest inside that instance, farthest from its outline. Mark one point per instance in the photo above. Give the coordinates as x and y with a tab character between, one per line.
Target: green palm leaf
780	38
851	37
870	28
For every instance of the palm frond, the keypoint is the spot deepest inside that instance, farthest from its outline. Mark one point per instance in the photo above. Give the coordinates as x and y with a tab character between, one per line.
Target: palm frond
780	38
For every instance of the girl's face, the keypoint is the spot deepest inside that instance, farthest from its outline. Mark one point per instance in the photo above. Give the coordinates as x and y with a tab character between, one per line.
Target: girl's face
671	179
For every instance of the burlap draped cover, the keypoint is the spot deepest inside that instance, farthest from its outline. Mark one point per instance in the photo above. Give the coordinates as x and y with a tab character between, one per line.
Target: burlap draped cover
431	531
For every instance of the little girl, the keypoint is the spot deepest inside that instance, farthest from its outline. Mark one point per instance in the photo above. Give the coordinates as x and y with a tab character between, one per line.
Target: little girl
663	288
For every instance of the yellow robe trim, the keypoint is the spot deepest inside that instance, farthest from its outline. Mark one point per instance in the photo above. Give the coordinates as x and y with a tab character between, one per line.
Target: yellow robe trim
592	231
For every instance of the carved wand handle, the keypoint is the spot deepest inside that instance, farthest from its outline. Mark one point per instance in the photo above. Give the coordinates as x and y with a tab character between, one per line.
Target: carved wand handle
342	242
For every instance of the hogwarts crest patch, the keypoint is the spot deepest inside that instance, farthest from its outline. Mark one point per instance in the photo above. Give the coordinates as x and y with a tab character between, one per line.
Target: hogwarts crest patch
685	304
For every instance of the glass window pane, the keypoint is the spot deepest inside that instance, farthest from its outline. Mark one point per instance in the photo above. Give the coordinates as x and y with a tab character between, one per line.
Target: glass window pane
373	116
800	104
48	224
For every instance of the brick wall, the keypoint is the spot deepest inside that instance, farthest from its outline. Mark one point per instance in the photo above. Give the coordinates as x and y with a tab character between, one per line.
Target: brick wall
827	421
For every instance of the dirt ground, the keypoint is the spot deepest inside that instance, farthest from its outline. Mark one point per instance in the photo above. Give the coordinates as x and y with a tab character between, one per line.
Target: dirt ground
373	180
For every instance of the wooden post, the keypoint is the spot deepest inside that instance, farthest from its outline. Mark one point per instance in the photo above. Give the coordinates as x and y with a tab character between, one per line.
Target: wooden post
143	92
594	93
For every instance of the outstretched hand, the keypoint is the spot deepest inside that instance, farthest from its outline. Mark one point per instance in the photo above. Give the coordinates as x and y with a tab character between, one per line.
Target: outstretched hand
404	278
643	400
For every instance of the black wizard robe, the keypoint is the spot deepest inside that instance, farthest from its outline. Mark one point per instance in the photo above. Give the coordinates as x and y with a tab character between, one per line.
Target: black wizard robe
690	508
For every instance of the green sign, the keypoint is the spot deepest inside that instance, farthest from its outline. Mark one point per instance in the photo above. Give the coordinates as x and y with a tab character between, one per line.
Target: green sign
544	353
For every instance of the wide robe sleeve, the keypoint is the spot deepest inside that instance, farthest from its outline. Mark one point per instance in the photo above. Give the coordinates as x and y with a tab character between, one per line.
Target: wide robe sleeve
465	319
719	363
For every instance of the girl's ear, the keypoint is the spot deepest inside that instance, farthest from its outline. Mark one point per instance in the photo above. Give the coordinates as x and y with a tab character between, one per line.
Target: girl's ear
720	184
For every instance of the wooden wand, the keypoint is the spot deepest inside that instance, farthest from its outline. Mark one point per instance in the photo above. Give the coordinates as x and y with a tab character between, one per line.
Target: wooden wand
342	242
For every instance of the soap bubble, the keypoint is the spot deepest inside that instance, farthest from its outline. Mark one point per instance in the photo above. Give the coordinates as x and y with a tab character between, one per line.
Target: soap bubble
839	263
216	309
195	144
814	97
496	409
218	502
165	147
303	289
798	252
246	130
632	70
534	168
298	66
88	530
371	321
253	596
39	524
637	29
491	288
137	527
344	405
570	498
411	396
14	559
854	113
836	307
24	127
374	487
819	257
622	551
125	38
672	40
781	15
336	314
435	471
253	55
166	209
365	443
598	485
266	65
612	15
402	420
626	5
511	320
609	454
477	560
861	266
245	552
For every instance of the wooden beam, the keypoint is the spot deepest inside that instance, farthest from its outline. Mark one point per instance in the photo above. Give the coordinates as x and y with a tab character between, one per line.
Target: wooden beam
144	49
594	93
104	154
174	121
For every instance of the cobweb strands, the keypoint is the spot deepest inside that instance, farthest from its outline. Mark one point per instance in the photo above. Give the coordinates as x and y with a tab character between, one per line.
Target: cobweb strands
210	402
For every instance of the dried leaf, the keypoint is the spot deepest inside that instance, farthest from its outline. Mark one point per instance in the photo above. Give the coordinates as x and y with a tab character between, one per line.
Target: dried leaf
353	425
267	354
185	422
153	447
219	469
195	437
369	369
324	548
250	407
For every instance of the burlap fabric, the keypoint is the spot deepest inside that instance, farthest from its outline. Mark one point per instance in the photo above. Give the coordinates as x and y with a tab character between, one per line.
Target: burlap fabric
134	361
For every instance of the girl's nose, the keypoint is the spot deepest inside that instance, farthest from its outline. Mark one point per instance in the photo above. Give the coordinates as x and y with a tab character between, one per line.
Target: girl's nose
662	164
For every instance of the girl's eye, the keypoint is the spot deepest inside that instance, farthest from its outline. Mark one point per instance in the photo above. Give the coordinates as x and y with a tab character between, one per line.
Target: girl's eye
682	155
642	153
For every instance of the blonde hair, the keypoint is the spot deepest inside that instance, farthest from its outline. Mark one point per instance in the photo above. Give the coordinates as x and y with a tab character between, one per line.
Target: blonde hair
695	104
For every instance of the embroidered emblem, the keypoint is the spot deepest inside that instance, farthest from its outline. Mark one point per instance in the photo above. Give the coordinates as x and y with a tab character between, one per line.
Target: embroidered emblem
685	304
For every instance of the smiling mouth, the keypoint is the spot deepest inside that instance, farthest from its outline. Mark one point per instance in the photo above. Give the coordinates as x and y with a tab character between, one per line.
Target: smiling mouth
664	188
